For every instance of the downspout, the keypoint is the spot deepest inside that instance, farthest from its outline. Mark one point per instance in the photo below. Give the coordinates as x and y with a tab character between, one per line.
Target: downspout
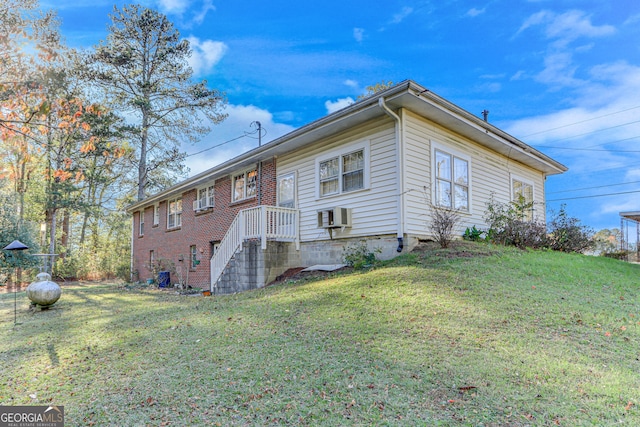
131	272
399	169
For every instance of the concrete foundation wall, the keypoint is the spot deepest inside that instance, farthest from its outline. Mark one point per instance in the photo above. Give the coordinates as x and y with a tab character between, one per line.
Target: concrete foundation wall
253	268
332	251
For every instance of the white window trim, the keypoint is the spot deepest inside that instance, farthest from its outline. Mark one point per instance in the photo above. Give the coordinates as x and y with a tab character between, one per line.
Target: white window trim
293	174
233	184
178	221
209	201
141	223
365	146
435	145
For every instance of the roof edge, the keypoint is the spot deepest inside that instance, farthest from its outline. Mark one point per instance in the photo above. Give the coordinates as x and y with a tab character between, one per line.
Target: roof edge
404	87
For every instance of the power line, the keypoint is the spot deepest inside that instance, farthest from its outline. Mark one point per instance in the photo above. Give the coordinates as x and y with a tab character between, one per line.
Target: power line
246	134
593	188
215	146
596	131
613	142
591	149
605	168
582	121
594	196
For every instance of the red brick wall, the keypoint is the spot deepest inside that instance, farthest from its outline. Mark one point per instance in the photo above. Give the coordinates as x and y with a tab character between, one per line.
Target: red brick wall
198	228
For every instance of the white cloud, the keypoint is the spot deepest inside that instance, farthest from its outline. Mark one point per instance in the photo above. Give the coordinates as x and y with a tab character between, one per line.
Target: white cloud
493	76
633	174
475	12
558	70
603	116
174	6
566	27
358	34
400	16
352	84
237	124
333	106
632	20
519	75
489	87
574	24
562	30
631	205
207	5
205	54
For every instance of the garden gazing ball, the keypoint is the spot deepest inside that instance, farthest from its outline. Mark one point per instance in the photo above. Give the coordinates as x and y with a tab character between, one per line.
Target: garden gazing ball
43	291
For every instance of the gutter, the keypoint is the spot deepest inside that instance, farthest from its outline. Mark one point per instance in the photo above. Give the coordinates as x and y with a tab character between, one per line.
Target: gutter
490	129
399	169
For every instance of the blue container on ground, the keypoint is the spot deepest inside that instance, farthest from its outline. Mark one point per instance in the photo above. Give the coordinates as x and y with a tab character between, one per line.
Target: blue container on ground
164	279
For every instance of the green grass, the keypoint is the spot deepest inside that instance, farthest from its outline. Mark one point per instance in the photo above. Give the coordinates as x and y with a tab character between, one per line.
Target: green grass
477	335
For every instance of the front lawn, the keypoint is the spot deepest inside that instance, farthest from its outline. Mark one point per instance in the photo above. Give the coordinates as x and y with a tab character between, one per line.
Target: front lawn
474	335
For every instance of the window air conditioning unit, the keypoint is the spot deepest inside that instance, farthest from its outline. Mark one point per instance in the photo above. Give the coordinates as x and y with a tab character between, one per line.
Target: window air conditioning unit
201	204
334	218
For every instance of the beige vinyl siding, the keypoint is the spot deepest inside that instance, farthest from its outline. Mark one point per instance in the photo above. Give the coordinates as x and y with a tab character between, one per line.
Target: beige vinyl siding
374	209
489	174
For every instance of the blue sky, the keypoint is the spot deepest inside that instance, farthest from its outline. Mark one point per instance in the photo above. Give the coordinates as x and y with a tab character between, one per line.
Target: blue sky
561	75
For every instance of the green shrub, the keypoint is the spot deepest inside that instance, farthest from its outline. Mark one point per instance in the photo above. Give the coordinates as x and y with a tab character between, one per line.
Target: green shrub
358	255
512	224
473	234
620	255
567	235
69	268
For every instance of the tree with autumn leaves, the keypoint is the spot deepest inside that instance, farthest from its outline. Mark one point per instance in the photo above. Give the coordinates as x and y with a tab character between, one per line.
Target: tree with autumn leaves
66	155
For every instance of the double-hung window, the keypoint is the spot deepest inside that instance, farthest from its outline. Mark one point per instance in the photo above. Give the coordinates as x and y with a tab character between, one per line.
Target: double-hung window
451	173
245	185
205	198
156	215
141	223
174	213
193	255
287	190
342	173
522	195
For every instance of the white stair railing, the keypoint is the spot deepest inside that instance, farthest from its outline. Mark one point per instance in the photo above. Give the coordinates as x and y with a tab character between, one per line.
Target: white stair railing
262	222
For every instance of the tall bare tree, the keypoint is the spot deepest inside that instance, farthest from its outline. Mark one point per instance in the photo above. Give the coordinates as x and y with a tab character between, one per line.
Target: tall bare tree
143	70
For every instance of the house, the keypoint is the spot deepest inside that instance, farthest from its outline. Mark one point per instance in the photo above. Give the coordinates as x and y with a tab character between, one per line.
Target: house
367	173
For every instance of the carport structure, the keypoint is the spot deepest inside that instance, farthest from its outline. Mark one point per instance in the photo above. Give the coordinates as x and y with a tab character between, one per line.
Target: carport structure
627	220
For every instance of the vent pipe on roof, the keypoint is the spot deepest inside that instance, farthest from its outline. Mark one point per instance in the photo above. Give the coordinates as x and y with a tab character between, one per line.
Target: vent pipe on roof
485	115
